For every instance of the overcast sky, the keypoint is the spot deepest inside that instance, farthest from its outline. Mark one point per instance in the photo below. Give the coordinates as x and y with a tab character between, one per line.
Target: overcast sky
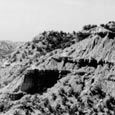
21	20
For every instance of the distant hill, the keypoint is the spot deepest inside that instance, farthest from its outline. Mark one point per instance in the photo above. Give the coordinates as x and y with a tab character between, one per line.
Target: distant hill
7	47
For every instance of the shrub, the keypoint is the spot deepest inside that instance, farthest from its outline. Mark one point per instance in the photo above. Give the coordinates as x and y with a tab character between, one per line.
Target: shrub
102	34
1	107
82	35
62	92
46	102
54	96
88	27
17	112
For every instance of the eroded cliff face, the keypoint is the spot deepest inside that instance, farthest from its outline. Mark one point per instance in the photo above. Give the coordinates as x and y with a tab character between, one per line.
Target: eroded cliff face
78	80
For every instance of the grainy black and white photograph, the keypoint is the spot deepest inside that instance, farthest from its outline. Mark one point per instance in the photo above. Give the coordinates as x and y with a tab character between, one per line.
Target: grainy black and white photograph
57	57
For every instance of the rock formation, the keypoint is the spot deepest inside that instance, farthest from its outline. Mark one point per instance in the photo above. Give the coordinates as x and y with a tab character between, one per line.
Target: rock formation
62	74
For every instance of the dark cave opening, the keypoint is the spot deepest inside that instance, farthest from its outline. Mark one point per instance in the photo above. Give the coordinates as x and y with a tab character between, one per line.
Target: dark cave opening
37	81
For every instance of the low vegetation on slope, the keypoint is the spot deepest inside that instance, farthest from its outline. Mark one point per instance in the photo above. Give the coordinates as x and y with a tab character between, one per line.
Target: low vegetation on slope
42	44
62	74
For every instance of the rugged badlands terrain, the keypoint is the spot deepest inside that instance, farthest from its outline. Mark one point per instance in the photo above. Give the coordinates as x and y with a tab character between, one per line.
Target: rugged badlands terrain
61	73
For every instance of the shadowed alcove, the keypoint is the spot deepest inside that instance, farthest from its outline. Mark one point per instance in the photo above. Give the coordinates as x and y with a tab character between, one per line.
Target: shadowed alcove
37	81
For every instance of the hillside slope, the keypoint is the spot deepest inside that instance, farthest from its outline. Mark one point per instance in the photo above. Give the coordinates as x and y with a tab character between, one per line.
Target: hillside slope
62	74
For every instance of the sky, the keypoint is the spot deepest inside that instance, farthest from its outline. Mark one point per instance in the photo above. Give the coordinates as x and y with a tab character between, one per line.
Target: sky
21	20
